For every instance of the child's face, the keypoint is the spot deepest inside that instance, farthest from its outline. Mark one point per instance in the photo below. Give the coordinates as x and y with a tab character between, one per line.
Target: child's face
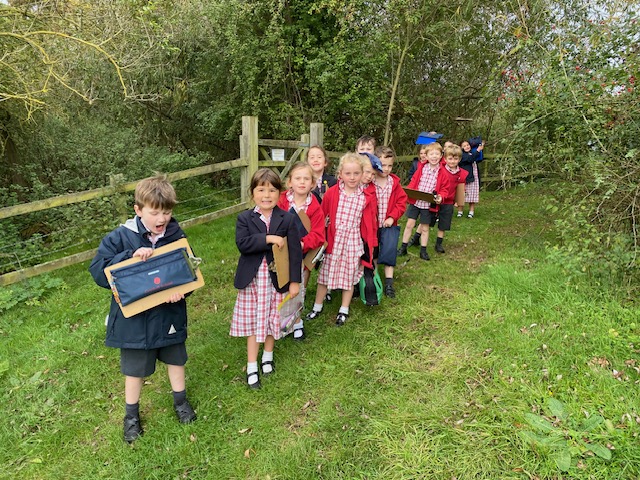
351	174
448	144
452	161
316	159
365	148
155	219
367	173
423	156
301	181
434	156
465	147
387	166
265	197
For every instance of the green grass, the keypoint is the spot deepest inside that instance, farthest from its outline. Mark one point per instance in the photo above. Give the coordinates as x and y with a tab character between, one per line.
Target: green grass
434	384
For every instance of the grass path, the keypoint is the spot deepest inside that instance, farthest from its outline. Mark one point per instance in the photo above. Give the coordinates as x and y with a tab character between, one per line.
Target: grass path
434	384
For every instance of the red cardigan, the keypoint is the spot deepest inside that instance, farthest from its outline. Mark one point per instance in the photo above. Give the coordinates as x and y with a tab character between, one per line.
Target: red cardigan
368	224
397	200
316	237
447	183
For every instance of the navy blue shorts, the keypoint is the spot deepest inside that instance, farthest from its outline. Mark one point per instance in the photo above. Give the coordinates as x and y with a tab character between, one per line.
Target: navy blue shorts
142	363
426	216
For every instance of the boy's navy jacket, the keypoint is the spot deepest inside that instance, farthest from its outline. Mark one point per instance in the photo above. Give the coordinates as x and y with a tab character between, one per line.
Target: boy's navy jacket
160	326
466	163
251	239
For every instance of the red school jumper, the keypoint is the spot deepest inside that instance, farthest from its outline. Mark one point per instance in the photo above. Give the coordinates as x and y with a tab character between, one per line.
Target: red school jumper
316	237
368	224
397	200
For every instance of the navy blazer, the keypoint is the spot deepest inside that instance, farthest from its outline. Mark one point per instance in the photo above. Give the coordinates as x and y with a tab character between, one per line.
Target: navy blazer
251	239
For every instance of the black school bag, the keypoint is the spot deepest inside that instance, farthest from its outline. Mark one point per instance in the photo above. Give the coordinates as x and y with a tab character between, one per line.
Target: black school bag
370	287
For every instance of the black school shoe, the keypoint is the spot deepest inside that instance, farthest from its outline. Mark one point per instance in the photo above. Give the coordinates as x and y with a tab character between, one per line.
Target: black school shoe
185	412
402	251
439	248
341	318
132	428
389	291
425	256
253	386
273	368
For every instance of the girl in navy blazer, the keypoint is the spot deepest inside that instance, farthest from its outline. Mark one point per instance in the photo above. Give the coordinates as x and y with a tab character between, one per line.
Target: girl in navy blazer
255	314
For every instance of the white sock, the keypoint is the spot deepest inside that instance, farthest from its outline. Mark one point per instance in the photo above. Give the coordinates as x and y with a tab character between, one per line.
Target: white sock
297	332
317	307
344	310
252	367
267	357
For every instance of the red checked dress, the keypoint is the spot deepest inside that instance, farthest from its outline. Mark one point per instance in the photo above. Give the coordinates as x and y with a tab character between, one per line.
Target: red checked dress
256	308
340	268
472	189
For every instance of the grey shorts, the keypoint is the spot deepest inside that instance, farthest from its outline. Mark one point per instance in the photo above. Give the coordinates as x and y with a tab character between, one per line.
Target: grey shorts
445	214
142	363
425	214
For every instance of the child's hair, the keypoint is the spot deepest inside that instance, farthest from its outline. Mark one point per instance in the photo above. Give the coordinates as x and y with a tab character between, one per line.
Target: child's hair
454	151
432	146
299	166
155	192
365	139
352	157
264	176
385	151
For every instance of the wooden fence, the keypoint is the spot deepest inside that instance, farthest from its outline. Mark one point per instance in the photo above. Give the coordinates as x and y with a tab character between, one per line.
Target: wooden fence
254	154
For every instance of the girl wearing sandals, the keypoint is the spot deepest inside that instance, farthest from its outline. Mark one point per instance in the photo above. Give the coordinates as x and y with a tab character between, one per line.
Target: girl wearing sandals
255	314
352	215
299	198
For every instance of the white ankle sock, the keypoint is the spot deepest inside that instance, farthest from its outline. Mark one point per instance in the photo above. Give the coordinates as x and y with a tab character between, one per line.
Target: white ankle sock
317	307
297	333
344	310
267	357
252	367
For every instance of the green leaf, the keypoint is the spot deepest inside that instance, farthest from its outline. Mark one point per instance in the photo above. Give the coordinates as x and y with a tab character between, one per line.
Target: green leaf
532	438
599	450
539	423
563	459
592	422
557	408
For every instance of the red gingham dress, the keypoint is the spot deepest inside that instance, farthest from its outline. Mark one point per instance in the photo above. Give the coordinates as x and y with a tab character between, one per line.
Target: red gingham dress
472	190
428	181
384	194
340	268
256	309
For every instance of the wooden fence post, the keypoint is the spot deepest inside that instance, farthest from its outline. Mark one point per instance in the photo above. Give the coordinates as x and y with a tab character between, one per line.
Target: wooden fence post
248	151
120	200
316	134
304	138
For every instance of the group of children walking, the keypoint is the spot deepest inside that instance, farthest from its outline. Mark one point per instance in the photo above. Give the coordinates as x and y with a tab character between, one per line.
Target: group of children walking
352	216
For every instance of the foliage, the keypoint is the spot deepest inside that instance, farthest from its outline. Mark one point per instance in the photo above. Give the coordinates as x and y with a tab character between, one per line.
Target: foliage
30	292
566	437
570	107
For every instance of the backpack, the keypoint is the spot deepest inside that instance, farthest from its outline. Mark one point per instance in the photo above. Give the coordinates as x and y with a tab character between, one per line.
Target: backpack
370	287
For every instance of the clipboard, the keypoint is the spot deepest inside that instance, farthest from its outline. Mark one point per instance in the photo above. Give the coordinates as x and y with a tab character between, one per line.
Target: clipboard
460	194
281	261
313	256
418	195
158	298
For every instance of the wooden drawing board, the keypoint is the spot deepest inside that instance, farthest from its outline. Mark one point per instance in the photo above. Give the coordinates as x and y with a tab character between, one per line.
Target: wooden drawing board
418	195
460	195
281	259
158	298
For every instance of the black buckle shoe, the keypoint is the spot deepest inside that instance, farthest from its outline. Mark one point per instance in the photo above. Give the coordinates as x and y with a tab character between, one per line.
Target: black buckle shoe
254	386
389	291
301	336
312	315
341	318
185	412
273	368
132	428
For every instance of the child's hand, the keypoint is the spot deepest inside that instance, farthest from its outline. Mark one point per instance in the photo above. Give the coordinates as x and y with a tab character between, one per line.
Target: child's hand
438	199
276	240
294	289
480	147
143	253
388	222
175	298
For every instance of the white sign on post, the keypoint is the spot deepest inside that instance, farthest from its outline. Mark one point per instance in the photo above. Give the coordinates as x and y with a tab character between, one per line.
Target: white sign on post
277	154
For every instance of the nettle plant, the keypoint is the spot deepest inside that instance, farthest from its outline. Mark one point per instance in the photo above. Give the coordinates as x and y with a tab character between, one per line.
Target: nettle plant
566	438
